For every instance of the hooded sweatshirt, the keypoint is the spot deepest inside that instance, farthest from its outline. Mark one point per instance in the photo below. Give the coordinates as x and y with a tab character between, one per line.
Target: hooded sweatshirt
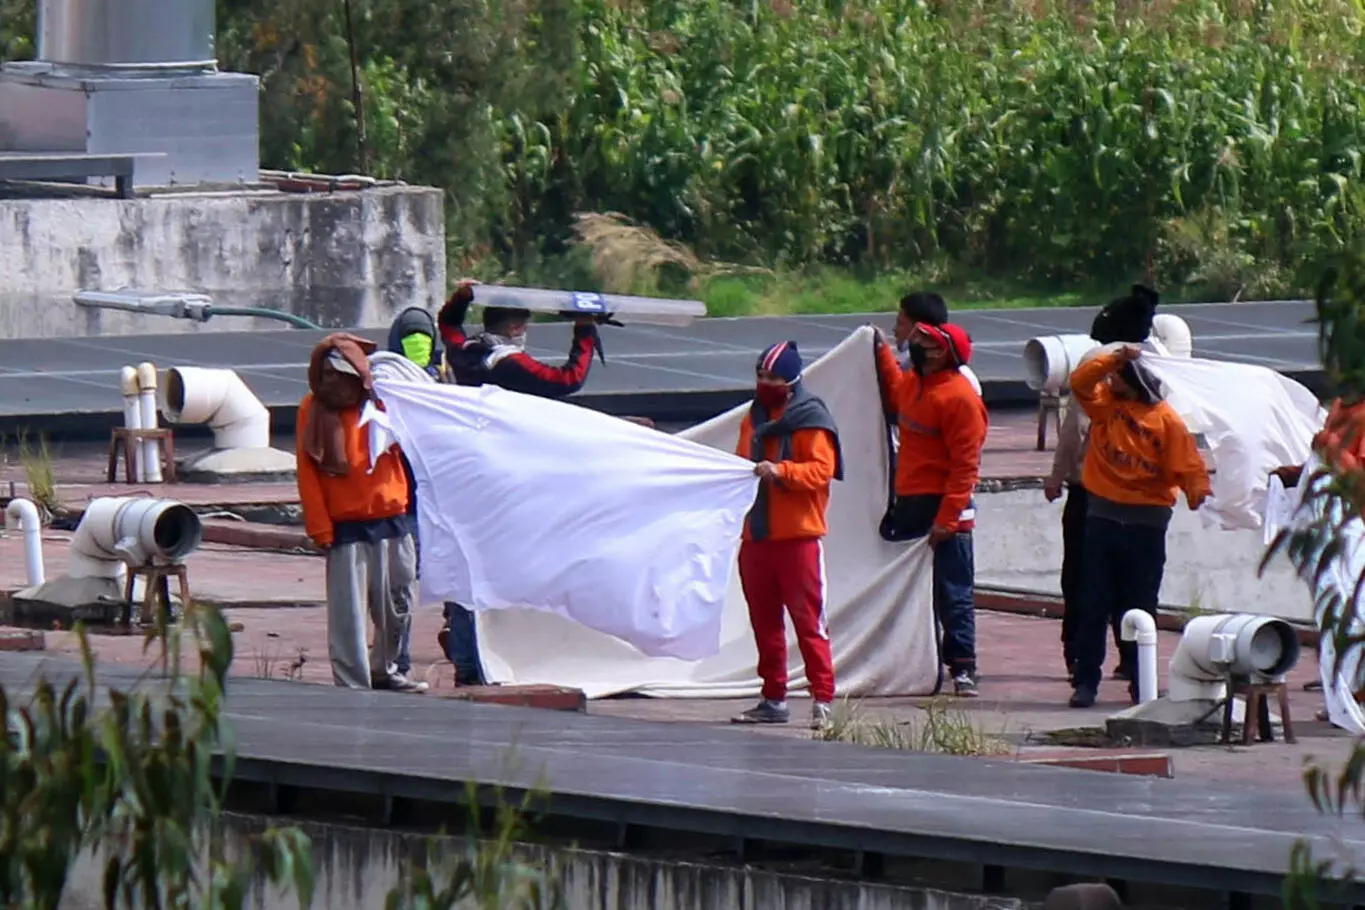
413	332
1139	454
358	504
803	441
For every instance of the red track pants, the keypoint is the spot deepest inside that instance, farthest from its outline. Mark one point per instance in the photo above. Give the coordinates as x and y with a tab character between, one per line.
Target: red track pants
790	574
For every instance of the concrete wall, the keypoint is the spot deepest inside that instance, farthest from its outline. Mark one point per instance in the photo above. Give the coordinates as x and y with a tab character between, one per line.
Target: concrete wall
1019	544
338	259
356	867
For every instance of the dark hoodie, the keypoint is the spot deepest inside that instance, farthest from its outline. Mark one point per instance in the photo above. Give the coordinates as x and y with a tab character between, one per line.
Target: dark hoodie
416	320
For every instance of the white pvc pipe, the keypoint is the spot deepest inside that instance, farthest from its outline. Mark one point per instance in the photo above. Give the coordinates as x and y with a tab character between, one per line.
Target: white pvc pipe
1050	360
1174	335
119	531
222	400
151	456
26	513
1240	643
132	415
1139	626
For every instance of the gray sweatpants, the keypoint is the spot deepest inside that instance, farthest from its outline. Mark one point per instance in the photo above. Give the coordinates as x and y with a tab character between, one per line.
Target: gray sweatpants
375	579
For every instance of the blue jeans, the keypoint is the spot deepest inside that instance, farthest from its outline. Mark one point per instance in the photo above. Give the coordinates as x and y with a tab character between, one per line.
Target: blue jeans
462	645
955	601
1124	564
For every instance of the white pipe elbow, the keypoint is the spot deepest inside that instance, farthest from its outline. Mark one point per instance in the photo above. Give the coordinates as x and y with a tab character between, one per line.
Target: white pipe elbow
120	531
220	399
1050	360
1140	626
128	382
30	522
1174	335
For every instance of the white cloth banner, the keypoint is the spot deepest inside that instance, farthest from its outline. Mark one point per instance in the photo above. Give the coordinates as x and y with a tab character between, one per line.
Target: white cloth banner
526	502
879	595
1254	420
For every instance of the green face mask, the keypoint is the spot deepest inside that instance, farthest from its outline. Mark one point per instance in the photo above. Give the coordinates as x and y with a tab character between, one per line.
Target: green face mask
417	348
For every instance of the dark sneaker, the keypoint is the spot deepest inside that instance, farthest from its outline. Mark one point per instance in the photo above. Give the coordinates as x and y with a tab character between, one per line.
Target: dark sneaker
964	685
819	715
765	712
401	682
1083	697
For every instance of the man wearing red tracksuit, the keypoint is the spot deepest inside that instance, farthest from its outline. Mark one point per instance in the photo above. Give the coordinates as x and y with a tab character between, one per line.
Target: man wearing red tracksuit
792	437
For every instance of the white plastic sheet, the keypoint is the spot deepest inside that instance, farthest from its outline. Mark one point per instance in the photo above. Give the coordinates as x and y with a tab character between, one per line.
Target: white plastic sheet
1254	420
879	594
526	502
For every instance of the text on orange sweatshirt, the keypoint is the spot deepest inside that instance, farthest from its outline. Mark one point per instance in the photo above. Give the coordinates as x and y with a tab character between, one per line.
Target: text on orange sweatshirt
1139	454
797	502
360	495
943	424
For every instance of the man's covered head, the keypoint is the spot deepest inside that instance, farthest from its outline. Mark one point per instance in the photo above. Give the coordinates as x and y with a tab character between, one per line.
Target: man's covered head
939	347
776	373
1126	319
508	322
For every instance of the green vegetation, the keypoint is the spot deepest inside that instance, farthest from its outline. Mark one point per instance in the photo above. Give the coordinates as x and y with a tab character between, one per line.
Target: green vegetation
1337	495
1214	147
122	775
941	730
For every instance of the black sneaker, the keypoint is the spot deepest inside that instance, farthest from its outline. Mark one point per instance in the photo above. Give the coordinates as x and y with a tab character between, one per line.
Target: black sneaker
964	685
765	712
1083	697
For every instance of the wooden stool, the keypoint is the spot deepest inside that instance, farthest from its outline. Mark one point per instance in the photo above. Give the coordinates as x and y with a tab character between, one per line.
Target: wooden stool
156	587
129	441
1257	717
1049	404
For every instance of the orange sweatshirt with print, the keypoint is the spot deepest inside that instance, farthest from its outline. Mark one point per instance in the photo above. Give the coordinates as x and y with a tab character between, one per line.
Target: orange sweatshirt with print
360	495
1341	441
797	502
1139	454
943	424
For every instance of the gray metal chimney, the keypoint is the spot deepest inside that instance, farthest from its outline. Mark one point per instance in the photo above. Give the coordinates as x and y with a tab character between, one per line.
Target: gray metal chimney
134	77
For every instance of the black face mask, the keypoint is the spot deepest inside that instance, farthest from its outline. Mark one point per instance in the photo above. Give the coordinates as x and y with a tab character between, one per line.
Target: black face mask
919	355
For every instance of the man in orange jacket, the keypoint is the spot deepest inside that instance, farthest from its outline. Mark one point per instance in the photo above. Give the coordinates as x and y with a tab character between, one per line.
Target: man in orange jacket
1140	453
359	516
791	435
942	423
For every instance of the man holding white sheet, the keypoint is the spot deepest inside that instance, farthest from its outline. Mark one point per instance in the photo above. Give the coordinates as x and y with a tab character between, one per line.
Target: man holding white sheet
792	437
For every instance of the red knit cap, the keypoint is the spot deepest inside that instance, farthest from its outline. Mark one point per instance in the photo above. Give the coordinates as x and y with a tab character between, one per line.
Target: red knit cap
953	337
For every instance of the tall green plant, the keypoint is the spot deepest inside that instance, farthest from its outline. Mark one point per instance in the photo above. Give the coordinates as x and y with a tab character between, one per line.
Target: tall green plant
1333	501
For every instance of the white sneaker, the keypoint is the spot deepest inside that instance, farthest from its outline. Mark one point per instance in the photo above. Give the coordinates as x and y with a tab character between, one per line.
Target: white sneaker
819	715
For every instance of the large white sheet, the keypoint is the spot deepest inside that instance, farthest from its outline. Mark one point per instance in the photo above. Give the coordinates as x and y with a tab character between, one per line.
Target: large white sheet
879	594
526	502
1254	420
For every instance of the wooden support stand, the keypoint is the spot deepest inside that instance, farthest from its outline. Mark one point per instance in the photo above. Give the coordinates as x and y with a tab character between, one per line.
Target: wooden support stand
156	591
127	442
1257	718
1055	406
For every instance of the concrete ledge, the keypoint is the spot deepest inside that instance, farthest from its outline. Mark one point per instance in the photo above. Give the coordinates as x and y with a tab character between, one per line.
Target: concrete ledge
1115	761
551	698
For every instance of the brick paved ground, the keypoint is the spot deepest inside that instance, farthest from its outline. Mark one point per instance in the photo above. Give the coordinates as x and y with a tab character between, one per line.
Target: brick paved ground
1023	690
1023	687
